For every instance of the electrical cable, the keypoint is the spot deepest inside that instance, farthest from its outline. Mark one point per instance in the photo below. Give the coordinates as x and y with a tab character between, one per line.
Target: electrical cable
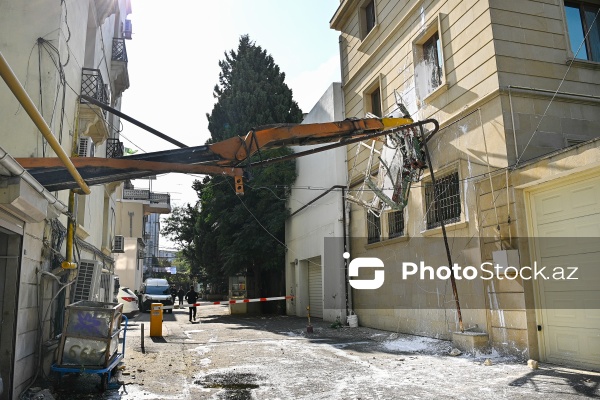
558	89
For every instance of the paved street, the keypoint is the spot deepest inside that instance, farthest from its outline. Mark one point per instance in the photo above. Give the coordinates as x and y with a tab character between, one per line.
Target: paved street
272	357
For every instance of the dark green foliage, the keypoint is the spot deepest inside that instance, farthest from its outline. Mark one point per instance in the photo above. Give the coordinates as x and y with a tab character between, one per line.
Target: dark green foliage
227	235
251	92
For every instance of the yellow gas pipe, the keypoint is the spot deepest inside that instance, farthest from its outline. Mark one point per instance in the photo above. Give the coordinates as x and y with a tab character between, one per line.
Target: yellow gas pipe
15	86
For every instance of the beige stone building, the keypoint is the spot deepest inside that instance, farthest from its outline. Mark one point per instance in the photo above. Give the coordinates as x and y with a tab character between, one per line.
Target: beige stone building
514	87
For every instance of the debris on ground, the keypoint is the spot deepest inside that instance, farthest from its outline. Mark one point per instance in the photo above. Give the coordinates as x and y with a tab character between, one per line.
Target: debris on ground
533	364
455	352
488	362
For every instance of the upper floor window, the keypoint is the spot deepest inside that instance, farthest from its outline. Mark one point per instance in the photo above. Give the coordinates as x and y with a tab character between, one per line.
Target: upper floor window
442	202
432	57
372	97
376	102
368	18
581	19
430	76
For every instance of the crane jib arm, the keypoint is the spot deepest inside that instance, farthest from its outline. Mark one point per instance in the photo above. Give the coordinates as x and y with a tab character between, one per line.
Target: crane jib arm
227	157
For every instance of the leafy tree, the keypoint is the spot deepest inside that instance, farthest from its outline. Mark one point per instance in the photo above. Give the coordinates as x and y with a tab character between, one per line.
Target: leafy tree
227	235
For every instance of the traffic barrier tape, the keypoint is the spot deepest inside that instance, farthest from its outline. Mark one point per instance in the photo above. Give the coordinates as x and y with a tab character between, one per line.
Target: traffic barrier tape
227	302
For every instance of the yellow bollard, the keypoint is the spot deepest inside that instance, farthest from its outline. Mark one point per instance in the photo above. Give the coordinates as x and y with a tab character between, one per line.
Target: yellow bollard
156	317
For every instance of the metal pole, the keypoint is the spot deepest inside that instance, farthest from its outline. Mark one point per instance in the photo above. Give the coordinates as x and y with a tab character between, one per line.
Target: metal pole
441	218
142	337
133	121
345	249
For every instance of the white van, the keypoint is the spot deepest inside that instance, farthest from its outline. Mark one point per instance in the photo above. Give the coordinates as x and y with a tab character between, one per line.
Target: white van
155	290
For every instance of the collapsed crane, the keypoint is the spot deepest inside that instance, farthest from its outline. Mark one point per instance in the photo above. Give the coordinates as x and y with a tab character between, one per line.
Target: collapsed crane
233	157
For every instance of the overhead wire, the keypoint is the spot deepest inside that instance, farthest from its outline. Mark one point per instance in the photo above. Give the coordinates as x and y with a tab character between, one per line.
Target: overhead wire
558	88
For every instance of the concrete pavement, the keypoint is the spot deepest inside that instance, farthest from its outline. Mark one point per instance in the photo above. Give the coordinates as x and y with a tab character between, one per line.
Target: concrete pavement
273	357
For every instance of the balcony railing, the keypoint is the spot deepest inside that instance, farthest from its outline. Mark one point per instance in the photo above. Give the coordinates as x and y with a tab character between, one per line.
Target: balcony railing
92	85
119	50
141	194
114	148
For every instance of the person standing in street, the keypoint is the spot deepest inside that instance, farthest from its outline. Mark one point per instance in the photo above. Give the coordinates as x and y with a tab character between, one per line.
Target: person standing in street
180	295
192	297
173	293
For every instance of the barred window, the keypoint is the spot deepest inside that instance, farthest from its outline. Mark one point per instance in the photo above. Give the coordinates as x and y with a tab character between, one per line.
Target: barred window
373	229
446	198
395	223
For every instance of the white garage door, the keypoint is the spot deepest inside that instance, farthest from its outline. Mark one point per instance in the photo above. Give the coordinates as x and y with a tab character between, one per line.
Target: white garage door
315	287
570	316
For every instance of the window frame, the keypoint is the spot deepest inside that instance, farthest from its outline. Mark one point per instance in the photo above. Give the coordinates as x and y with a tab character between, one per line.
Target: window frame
376	102
431	211
425	94
372	220
389	215
591	55
367	95
365	27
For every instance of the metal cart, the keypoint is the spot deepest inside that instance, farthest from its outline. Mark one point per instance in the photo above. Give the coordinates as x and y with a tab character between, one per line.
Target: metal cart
89	342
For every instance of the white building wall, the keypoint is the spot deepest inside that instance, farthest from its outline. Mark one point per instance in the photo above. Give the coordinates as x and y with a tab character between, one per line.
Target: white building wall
306	231
64	25
128	266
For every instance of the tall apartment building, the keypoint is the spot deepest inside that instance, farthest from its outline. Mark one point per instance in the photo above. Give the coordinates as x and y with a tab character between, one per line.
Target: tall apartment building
58	51
514	87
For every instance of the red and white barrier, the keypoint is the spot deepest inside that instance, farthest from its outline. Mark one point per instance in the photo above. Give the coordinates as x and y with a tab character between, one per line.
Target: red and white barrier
241	301
260	299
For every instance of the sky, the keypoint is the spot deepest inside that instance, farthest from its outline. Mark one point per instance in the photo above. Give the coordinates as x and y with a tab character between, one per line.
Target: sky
174	59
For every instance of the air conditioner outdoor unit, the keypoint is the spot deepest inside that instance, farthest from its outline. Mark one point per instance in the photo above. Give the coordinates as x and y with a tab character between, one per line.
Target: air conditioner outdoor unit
86	147
87	285
119	244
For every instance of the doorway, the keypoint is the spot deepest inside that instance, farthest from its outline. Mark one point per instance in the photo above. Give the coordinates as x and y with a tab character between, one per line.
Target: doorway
10	254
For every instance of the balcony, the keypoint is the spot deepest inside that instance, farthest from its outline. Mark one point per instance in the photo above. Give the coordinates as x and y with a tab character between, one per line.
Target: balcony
104	9
92	119
118	66
154	203
114	148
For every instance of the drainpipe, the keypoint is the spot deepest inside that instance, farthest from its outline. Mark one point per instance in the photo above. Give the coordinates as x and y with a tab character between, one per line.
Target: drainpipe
345	229
15	86
68	264
130	213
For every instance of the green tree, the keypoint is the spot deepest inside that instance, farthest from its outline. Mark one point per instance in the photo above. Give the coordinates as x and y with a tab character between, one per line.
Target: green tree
229	235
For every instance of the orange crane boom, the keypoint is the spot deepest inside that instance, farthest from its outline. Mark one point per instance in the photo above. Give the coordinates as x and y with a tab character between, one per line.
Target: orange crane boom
228	157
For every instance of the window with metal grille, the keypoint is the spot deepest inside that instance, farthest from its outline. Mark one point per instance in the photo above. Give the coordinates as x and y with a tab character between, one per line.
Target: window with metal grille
373	229
445	197
582	17
395	224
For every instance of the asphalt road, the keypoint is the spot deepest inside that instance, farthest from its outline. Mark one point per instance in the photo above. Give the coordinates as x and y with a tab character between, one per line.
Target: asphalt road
273	357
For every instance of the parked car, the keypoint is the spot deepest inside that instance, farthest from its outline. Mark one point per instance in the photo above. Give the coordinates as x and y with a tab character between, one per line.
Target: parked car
129	301
155	290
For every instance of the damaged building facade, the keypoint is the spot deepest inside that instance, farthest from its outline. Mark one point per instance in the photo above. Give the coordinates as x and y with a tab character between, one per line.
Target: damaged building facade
58	51
514	87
